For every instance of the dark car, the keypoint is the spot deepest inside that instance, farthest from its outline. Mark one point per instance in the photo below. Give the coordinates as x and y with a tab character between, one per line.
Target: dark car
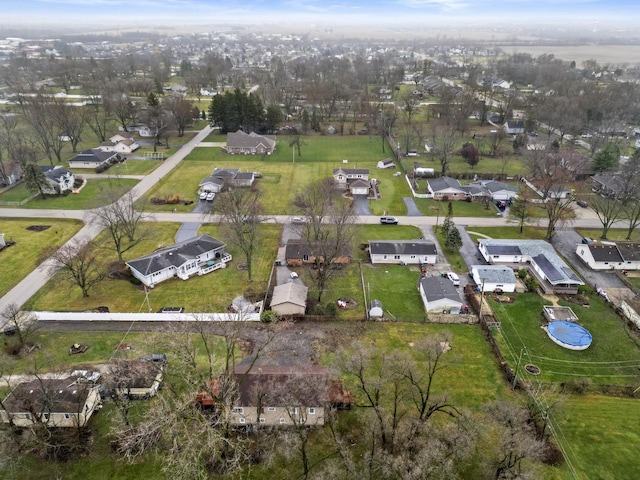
587	240
582	203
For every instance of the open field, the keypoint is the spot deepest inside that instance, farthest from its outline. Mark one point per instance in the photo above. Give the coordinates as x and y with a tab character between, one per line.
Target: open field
612	358
19	260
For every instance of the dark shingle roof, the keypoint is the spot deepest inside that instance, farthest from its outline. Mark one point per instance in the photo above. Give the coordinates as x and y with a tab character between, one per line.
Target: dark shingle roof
240	139
48	395
175	255
629	251
442	183
402	247
438	288
605	253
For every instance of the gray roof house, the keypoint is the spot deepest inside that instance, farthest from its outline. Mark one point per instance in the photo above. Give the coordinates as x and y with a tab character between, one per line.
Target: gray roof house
60	180
199	255
513	127
438	294
92	158
446	188
610	256
553	274
250	143
610	185
500	190
490	278
418	251
222	177
345	177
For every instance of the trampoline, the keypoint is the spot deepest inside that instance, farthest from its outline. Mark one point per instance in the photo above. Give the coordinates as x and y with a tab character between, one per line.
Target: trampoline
569	335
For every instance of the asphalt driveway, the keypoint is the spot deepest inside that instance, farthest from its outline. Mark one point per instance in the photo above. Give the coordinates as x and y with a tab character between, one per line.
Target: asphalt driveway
361	205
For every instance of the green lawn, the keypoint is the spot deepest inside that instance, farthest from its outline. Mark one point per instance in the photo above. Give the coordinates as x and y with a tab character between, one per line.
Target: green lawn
601	435
614	235
86	199
433	208
281	178
19	260
510	232
130	167
18	193
612	358
212	292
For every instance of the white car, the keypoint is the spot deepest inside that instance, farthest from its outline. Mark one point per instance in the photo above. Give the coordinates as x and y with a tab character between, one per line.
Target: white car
210	197
297	220
293	275
455	279
203	196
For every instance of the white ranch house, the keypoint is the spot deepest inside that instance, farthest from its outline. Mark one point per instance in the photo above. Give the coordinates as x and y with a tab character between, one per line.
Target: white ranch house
610	256
490	278
438	294
199	255
410	252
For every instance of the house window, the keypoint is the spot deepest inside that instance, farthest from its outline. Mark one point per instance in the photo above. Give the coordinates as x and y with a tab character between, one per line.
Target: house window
413	256
66	415
271	409
46	416
384	258
396	257
312	411
242	420
281	420
305	258
239	410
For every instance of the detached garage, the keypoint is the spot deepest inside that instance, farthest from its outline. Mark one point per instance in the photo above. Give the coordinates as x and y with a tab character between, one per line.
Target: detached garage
495	277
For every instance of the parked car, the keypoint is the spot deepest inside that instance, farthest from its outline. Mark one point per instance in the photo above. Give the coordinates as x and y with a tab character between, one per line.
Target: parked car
455	279
293	275
203	196
210	197
587	240
298	220
389	220
582	203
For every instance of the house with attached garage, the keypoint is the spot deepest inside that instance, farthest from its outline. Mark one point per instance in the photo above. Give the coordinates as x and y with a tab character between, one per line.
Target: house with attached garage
250	143
610	255
226	177
60	180
538	257
513	127
199	255
345	177
124	146
58	402
499	191
93	158
438	294
409	252
492	278
297	253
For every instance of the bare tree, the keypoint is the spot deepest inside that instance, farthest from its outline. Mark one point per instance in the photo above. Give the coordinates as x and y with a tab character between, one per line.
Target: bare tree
122	218
522	208
34	178
444	139
40	114
241	210
553	173
329	231
78	263
180	110
19	324
608	209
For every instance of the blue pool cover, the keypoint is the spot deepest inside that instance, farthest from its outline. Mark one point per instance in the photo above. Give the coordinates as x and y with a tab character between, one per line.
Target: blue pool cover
569	334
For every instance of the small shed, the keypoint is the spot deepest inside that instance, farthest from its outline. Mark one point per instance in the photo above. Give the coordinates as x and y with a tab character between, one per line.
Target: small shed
386	163
289	299
375	309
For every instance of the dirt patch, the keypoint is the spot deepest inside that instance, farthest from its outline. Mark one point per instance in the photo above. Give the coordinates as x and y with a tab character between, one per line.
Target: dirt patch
38	228
347	303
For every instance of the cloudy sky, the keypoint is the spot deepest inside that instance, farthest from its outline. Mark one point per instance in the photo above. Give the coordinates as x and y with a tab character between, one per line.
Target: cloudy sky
311	11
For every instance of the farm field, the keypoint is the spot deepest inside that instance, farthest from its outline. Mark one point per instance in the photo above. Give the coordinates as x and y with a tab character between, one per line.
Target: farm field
19	260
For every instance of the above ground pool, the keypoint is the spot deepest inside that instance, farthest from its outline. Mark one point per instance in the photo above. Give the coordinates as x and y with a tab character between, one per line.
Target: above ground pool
569	335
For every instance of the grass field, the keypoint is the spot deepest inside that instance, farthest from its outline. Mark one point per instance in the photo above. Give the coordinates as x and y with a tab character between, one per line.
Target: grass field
19	260
130	167
282	178
612	358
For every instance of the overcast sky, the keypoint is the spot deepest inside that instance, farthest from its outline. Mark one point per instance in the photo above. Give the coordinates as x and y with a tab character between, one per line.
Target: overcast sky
410	12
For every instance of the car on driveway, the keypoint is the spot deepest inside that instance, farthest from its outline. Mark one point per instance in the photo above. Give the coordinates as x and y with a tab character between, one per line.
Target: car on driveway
298	220
293	275
455	279
203	196
389	220
582	203
210	197
587	240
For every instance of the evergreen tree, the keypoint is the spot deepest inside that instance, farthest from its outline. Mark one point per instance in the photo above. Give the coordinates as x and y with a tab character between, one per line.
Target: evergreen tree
453	240
447	224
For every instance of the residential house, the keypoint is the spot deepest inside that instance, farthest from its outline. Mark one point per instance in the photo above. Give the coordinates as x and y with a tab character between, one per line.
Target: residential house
297	252
438	294
610	185
514	127
199	255
409	252
386	163
491	278
119	137
58	402
93	158
60	180
540	259
499	191
289	299
226	177
354	179
250	143
610	256
125	146
137	378
446	188
280	395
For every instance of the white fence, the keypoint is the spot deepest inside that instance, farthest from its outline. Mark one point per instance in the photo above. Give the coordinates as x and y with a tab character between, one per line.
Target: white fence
416	195
146	317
